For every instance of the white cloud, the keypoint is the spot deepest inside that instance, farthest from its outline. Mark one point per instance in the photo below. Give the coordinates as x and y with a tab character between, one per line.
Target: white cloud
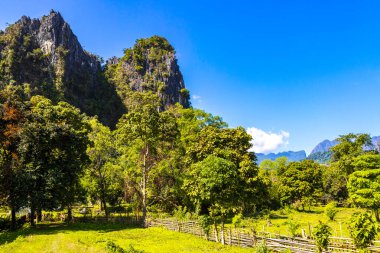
196	97
265	142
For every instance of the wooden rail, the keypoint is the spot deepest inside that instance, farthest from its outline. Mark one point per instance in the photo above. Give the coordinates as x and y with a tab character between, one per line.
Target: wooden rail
274	241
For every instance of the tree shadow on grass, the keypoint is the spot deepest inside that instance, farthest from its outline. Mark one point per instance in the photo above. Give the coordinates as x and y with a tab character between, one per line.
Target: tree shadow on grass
278	216
54	228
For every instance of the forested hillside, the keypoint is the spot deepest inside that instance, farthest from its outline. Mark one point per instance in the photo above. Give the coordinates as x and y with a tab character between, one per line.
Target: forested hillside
45	57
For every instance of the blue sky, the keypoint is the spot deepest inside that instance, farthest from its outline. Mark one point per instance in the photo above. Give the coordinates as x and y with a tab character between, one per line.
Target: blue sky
293	72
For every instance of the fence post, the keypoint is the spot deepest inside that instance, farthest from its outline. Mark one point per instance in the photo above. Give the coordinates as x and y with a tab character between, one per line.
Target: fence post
229	239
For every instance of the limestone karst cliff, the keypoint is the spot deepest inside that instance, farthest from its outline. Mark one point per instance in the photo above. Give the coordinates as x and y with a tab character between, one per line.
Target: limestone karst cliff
45	57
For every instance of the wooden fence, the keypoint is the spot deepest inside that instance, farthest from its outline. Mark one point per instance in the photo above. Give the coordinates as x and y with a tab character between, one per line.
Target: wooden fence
276	242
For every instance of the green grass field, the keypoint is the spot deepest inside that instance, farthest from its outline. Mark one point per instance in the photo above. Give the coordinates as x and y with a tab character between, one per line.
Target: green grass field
277	221
93	238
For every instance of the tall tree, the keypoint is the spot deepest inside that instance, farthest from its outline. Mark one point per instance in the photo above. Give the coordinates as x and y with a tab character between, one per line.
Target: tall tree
231	144
12	117
144	136
349	146
364	184
103	178
53	154
302	182
215	181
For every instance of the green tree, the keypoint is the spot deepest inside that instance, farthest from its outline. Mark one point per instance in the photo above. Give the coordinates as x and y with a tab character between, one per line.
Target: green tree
363	230
228	149
269	171
103	178
321	233
176	166
215	181
52	151
334	183
232	144
301	182
12	118
331	210
364	183
144	137
349	146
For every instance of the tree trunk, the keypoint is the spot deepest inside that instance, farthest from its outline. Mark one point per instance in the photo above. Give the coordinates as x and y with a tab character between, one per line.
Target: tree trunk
144	211
69	213
105	207
13	217
222	231
216	231
32	213
39	215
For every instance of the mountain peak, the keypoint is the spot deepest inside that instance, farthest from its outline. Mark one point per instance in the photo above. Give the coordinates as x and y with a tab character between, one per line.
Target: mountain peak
323	146
45	56
292	156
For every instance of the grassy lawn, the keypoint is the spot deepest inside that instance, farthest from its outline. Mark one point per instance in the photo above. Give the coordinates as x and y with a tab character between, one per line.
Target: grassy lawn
278	221
94	237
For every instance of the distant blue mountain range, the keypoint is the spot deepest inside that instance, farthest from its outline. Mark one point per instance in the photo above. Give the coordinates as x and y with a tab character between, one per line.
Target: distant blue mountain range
325	145
321	152
292	156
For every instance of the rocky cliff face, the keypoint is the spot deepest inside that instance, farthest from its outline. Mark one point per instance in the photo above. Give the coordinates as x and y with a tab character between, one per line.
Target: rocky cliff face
323	146
150	65
45	57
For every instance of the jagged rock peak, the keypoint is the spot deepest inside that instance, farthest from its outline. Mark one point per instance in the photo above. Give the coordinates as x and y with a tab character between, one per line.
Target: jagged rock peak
150	65
45	54
53	34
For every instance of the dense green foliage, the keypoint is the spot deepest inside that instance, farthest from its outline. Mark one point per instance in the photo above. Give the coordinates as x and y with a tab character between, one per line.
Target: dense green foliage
43	152
331	210
321	233
364	183
301	183
104	179
363	229
321	157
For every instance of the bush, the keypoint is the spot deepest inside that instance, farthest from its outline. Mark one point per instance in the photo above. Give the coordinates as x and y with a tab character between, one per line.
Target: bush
205	222
180	213
114	248
331	210
293	226
237	220
262	248
363	229
321	233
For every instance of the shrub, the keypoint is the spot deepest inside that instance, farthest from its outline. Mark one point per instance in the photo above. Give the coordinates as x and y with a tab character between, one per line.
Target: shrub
180	213
321	233
293	226
205	222
331	210
114	248
363	229
262	248
237	220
